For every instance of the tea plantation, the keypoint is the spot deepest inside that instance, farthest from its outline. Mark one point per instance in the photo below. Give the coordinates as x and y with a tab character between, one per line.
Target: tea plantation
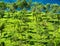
29	28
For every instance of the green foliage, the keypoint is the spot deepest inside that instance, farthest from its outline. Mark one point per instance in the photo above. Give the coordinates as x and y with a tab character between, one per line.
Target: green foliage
2	5
30	28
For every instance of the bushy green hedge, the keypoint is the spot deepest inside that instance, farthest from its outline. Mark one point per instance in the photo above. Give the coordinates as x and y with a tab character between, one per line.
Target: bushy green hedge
29	29
38	26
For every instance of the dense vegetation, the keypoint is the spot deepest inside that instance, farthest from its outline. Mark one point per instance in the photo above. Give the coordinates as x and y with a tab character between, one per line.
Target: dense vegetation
34	24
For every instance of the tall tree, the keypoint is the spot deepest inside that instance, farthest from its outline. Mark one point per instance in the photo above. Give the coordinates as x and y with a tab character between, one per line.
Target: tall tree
2	5
24	4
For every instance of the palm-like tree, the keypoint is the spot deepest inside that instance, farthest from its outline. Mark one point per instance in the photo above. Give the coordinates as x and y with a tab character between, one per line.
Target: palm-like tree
2	5
15	5
47	8
2	9
55	8
11	7
23	4
37	7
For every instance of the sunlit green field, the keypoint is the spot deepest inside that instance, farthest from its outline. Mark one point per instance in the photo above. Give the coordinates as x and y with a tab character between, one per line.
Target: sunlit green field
30	28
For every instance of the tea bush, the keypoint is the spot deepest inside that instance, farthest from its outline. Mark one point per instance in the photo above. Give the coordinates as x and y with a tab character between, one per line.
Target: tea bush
30	28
